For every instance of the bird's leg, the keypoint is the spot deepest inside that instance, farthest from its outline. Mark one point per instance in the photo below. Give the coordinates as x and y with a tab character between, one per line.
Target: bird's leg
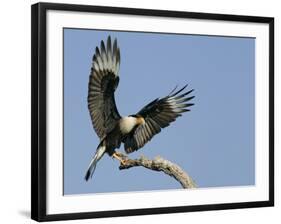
119	156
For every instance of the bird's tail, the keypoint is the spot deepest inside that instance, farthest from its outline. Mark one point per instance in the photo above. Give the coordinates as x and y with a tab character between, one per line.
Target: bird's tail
99	153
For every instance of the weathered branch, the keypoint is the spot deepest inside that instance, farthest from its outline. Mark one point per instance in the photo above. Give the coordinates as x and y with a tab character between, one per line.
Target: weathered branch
159	164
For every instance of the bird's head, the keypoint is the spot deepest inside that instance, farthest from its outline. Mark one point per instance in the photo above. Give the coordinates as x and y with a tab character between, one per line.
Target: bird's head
140	120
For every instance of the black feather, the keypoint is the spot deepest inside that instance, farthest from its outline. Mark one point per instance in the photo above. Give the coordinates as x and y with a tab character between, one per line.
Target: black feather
158	114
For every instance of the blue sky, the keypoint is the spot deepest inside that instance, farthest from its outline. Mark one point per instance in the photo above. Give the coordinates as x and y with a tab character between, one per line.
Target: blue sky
214	142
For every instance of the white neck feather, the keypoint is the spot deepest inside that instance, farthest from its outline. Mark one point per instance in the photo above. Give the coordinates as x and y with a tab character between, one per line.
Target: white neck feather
127	124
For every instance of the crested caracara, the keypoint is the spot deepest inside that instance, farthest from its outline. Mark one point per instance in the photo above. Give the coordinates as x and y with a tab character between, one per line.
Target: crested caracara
134	131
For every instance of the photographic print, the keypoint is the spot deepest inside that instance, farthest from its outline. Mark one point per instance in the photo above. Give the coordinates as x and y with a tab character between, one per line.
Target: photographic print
157	74
131	106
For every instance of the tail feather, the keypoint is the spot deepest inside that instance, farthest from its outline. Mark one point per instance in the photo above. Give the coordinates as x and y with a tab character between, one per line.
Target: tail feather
91	169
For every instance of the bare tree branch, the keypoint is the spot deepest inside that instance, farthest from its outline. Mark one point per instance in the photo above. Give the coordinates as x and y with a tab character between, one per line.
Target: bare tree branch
159	164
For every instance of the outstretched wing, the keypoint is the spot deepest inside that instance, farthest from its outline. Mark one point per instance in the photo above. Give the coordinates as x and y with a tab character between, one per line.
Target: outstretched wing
102	85
158	114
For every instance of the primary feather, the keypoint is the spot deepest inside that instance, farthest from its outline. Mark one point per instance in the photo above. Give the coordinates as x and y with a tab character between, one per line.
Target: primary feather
102	85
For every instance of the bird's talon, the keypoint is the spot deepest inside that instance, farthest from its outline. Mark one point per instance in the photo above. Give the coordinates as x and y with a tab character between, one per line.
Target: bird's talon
123	162
118	154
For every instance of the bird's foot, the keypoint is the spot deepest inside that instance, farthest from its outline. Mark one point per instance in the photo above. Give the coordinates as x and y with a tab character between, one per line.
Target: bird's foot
119	156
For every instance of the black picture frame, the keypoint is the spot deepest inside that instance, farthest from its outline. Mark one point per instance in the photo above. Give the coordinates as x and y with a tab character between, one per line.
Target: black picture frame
39	121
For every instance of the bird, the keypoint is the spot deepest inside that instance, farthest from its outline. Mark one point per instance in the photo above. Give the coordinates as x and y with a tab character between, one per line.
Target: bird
133	131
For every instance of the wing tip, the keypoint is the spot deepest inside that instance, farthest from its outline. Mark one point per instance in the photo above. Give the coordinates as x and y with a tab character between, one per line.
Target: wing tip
109	39
173	93
107	55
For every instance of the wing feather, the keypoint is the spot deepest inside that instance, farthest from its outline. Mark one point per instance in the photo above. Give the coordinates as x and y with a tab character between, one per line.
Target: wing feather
158	114
103	82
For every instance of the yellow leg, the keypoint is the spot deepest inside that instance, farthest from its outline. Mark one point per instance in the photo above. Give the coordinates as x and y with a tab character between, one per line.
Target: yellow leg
118	156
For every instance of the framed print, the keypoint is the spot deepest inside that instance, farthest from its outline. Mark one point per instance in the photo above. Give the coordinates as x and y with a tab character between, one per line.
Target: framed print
138	111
